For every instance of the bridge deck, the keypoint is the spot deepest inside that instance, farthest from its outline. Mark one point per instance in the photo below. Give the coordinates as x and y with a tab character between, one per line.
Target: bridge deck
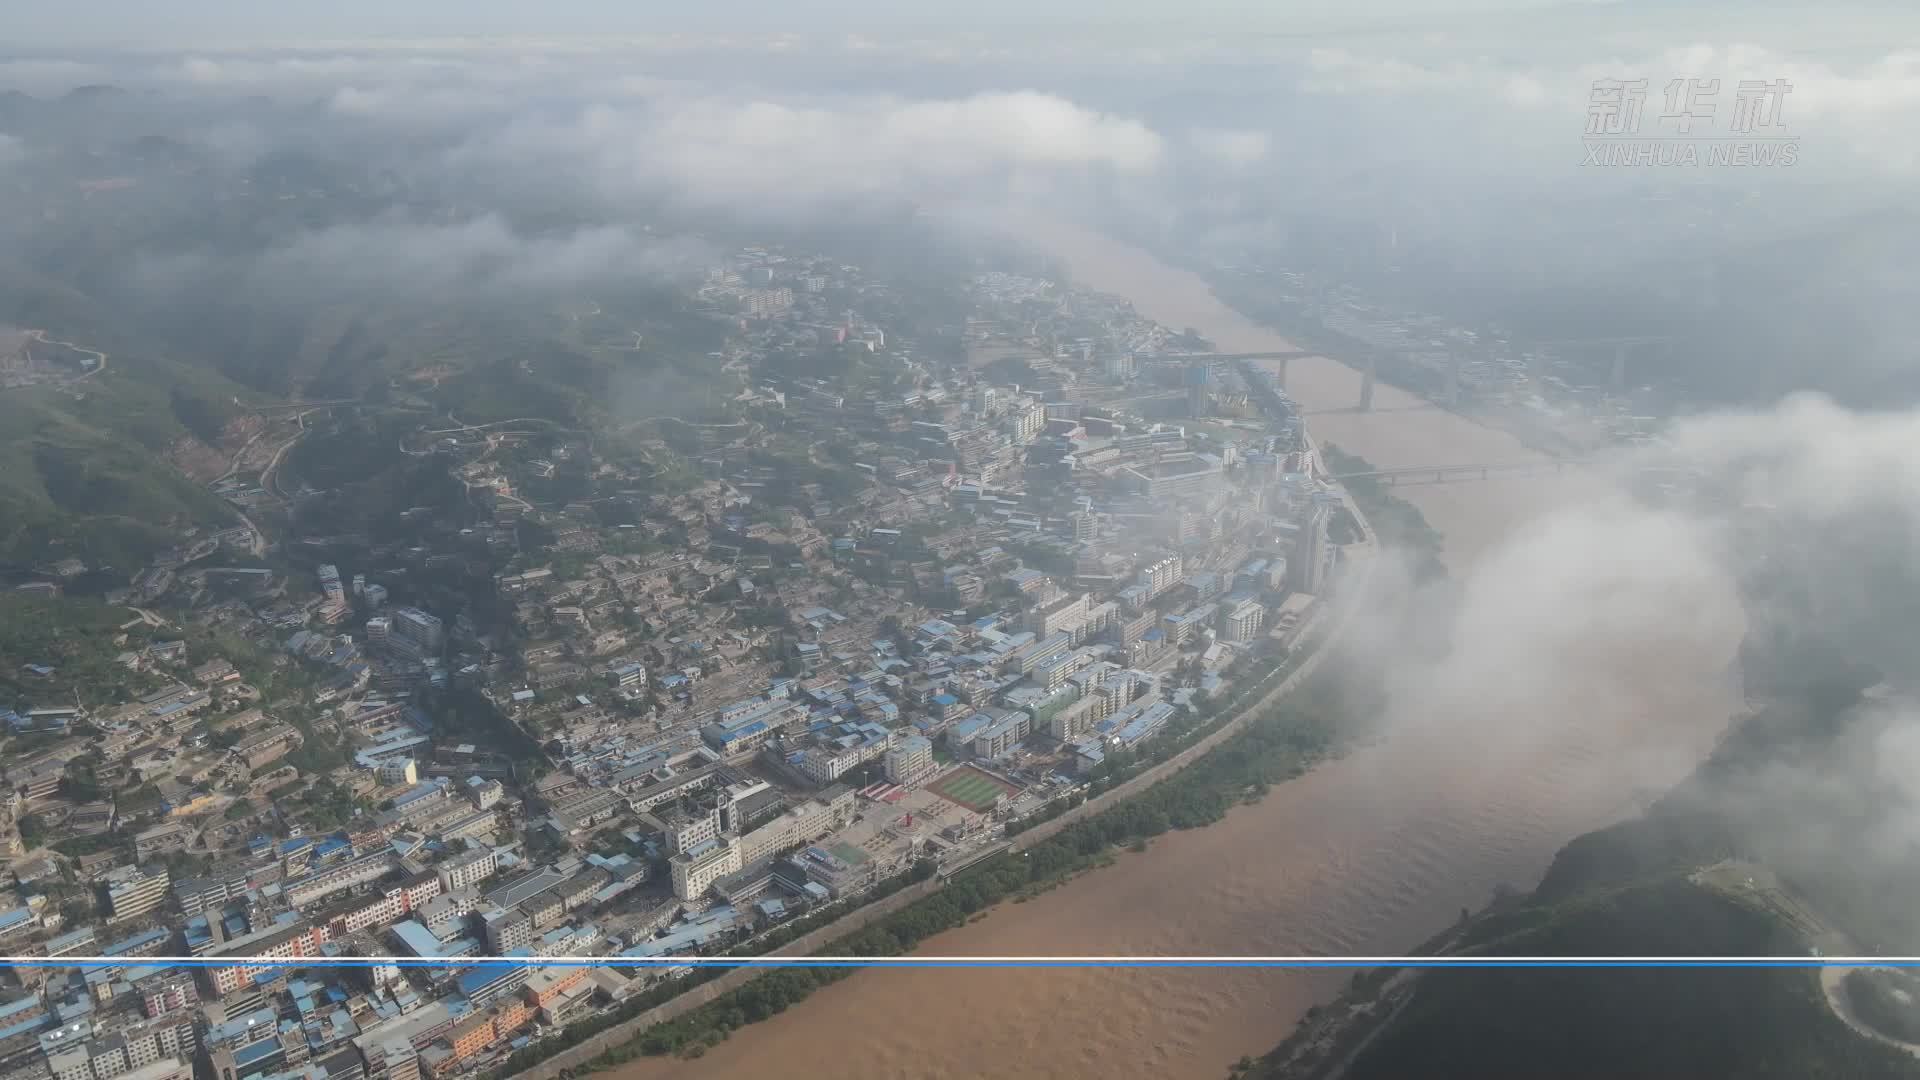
1437	474
1283	355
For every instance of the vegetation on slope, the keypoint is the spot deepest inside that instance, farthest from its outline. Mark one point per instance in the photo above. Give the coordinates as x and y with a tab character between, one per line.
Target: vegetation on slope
1281	744
83	471
1399	525
73	637
1625	891
1571	1023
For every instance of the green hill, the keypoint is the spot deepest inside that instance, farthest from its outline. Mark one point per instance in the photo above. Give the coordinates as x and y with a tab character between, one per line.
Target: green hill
206	279
78	639
1631	890
1631	1022
83	469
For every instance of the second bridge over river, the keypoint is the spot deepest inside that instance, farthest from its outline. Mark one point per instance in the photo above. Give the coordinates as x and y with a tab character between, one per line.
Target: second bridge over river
1453	474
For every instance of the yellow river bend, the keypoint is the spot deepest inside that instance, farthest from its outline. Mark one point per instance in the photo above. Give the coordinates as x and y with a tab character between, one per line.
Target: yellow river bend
1368	855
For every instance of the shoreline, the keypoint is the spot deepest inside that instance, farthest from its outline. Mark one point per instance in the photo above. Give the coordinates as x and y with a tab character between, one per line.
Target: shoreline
580	1058
1364	854
1402	430
1537	437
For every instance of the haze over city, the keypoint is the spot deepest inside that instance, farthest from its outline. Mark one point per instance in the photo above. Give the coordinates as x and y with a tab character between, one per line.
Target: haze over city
509	511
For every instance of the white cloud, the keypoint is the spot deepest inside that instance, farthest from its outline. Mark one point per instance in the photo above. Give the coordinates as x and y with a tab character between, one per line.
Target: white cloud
45	77
1595	648
1866	112
1341	71
1812	455
1887	83
480	258
848	139
773	155
416	105
622	119
1230	147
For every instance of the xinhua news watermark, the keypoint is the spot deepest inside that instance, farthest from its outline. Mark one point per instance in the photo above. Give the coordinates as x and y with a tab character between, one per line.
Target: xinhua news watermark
1691	130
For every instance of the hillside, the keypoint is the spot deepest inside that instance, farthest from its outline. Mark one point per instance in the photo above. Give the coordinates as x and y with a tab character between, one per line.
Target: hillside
214	283
1629	1022
1635	889
84	469
77	639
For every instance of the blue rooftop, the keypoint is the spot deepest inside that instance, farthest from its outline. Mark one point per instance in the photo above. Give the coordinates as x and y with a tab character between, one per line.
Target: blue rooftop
254	1053
694	932
135	942
60	944
966	729
484	975
417	939
417	791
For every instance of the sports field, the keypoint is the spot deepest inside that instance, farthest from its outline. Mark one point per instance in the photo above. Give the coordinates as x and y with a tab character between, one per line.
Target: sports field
971	788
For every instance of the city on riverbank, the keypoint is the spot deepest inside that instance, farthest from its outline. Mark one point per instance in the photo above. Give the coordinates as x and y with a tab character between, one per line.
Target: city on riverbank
682	685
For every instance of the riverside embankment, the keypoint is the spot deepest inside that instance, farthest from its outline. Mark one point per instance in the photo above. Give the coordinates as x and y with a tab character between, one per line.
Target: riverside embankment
1370	854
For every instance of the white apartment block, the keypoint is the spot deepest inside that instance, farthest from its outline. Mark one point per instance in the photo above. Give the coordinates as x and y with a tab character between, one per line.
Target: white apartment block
911	761
695	870
467	870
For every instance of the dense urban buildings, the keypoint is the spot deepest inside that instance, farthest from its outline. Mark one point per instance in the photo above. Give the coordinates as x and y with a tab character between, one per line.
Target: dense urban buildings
575	711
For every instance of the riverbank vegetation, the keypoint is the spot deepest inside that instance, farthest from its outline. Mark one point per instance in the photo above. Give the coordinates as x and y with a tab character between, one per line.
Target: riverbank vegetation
1398	524
1274	748
1283	742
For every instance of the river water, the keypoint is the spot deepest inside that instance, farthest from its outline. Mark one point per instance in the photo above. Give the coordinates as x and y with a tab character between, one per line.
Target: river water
1368	855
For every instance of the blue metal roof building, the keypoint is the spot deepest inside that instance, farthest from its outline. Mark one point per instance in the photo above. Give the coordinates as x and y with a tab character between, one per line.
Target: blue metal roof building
486	982
23	1015
966	729
694	933
139	940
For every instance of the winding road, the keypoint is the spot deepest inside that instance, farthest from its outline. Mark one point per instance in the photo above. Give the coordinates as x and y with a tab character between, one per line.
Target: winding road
41	337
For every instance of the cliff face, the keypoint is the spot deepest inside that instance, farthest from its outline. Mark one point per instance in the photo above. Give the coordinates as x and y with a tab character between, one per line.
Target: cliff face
1620	1023
1792	795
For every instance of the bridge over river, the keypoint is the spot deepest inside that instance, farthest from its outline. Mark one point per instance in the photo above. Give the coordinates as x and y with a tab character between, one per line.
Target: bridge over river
1453	474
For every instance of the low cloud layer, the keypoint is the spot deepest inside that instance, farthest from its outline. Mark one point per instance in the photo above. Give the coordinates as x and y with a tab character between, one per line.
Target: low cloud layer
624	124
760	156
474	261
1233	147
1596	649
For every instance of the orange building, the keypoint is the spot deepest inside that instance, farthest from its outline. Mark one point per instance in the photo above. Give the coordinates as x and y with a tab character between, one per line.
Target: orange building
470	1036
510	1016
547	985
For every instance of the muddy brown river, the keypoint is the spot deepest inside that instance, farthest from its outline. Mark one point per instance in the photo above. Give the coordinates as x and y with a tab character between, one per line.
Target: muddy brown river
1367	855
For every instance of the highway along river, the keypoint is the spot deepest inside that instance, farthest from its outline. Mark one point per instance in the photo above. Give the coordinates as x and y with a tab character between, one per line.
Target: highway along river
1367	855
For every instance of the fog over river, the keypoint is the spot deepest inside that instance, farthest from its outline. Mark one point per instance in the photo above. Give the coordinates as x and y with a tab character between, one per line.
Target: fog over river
1589	662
